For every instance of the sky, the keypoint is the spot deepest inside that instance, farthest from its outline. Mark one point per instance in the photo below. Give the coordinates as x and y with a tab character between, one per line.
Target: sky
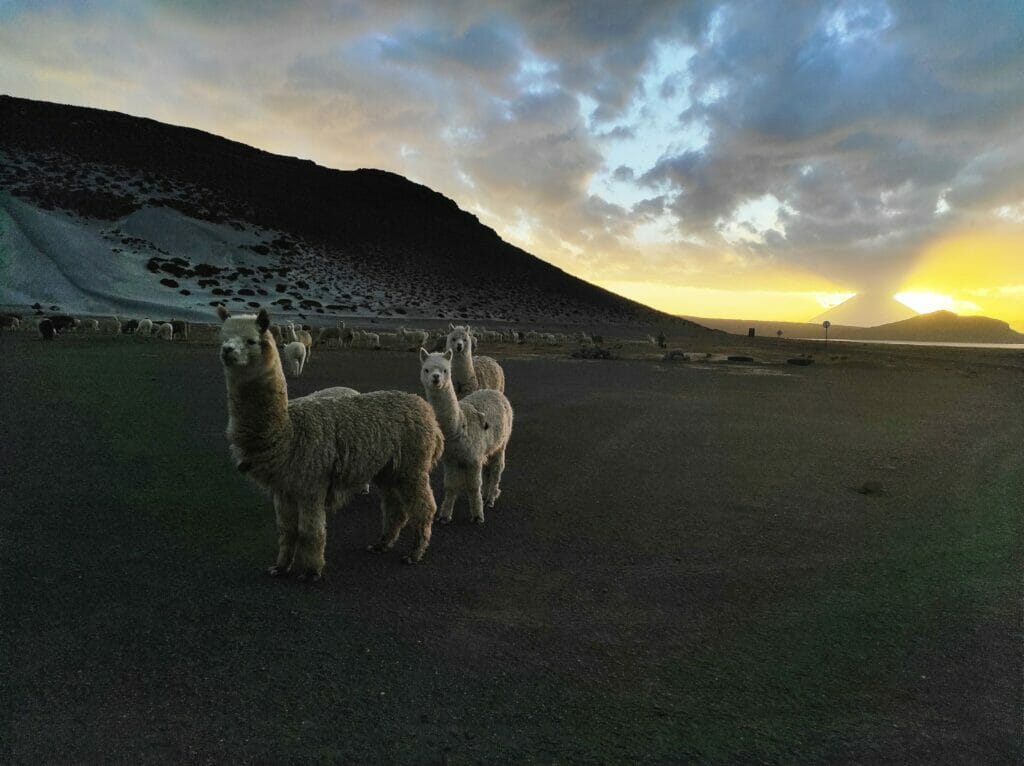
719	159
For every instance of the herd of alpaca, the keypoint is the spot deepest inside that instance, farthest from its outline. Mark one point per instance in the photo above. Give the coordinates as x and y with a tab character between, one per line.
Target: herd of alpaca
314	452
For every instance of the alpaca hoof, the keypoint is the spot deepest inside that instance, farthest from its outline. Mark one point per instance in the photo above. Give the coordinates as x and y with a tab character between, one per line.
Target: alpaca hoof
443	519
376	548
409	560
277	570
478	519
310	576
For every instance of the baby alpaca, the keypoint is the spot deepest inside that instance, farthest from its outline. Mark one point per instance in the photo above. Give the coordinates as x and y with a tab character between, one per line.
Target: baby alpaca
313	452
469	374
476	432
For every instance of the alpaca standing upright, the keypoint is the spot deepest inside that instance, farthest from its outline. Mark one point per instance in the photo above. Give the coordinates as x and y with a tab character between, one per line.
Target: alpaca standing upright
476	432
294	354
312	453
469	374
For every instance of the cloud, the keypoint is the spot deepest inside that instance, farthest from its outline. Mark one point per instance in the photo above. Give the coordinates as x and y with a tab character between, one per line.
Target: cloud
712	142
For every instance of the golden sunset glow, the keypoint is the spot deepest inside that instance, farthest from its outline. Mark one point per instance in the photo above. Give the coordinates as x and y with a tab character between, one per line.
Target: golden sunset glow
927	302
975	272
795	306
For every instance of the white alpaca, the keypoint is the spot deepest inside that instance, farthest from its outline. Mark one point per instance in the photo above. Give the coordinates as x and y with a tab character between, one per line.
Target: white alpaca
476	432
471	374
145	327
414	338
90	326
363	339
165	331
301	336
312	453
295	357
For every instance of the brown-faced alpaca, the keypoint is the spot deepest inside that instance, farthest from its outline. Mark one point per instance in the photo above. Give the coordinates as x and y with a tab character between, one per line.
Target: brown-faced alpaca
312	453
476	432
469	374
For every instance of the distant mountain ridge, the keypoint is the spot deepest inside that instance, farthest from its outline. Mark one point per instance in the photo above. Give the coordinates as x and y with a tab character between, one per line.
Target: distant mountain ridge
866	310
936	327
180	218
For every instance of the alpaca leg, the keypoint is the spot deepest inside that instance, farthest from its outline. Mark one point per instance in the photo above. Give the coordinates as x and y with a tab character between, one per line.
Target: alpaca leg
287	529
311	540
476	500
422	509
394	514
492	478
452	487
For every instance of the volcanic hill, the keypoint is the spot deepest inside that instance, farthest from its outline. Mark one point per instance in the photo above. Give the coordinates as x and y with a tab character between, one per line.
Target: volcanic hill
101	212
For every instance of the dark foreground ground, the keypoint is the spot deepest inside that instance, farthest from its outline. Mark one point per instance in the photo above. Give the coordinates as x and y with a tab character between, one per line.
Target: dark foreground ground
680	569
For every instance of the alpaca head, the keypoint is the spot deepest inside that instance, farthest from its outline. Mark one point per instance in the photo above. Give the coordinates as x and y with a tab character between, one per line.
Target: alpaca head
435	369
459	340
246	347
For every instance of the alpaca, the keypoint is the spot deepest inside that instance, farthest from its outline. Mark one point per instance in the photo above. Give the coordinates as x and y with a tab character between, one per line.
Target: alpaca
46	329
363	339
414	338
145	327
328	334
471	374
476	431
90	325
8	322
347	335
181	328
275	332
295	355
165	331
301	336
64	322
312	453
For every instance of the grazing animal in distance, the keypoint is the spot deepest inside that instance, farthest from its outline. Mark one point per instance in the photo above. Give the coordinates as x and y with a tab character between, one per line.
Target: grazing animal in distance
476	432
313	452
46	329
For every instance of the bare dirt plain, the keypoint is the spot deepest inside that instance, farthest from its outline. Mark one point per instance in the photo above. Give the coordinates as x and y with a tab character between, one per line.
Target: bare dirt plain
680	569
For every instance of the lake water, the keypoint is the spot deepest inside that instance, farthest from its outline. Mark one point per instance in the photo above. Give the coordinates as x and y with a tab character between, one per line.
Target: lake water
1018	346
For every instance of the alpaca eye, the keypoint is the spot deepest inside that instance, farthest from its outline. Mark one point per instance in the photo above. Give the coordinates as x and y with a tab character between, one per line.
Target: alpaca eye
251	342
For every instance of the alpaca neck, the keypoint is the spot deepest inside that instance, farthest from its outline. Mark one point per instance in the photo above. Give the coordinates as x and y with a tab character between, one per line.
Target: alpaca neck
446	408
462	367
258	412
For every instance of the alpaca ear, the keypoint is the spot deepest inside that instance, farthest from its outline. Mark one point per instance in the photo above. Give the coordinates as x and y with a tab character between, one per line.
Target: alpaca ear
223	313
451	326
448	355
423	354
263	320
